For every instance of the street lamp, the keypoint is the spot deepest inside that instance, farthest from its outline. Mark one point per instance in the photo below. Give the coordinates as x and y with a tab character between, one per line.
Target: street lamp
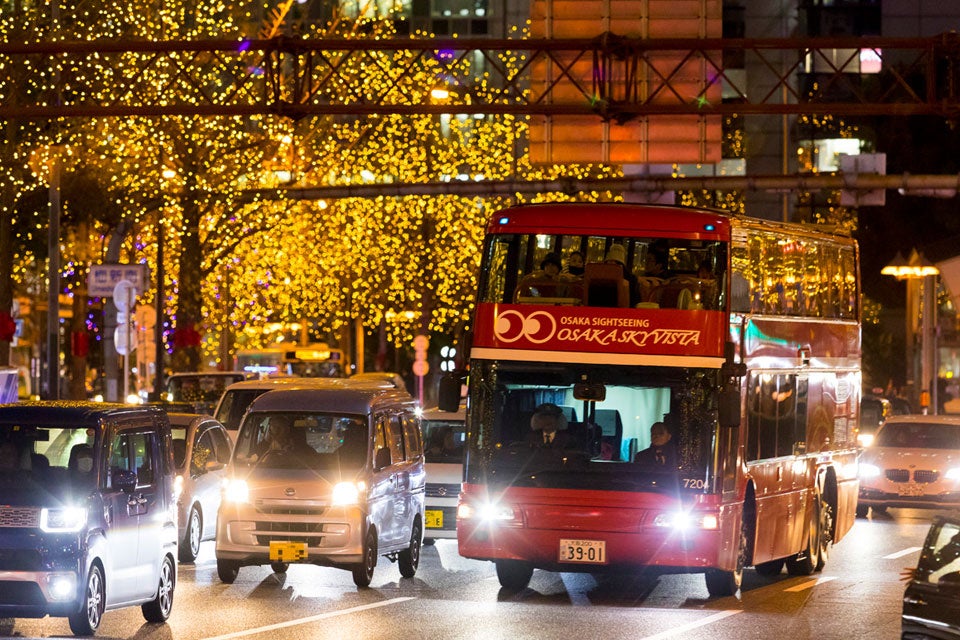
921	276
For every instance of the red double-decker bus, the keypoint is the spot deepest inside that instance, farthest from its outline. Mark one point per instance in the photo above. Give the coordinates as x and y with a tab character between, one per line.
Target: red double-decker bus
740	337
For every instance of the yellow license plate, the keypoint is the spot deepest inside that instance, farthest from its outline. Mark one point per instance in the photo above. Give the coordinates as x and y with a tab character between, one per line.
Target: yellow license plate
282	551
588	551
434	519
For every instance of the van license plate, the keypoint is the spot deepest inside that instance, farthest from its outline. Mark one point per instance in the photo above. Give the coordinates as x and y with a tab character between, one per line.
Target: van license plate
433	518
283	551
589	551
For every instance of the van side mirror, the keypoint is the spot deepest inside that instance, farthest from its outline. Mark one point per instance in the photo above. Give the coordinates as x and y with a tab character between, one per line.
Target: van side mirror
382	458
729	407
448	393
124	480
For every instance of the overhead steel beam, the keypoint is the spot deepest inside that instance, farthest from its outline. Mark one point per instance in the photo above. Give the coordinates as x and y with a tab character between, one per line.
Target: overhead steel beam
614	78
919	185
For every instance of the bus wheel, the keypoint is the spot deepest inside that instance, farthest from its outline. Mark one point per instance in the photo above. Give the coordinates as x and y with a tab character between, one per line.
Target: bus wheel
805	562
720	583
514	574
770	569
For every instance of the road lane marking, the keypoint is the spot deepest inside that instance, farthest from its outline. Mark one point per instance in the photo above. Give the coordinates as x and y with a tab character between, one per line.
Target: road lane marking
900	554
670	633
307	620
810	584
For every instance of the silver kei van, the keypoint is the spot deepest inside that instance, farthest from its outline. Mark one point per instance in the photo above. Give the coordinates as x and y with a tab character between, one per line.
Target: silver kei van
330	475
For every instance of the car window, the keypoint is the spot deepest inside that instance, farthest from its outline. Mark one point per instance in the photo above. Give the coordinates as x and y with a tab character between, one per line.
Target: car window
443	440
234	405
920	435
395	433
941	553
221	444
131	451
203	451
411	437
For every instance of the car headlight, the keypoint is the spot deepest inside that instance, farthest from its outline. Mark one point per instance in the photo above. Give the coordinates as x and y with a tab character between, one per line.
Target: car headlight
178	486
63	519
236	490
869	471
952	474
347	493
865	439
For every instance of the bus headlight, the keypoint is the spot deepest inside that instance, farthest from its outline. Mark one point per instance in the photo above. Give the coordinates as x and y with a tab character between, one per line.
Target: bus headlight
687	520
347	493
63	520
490	513
236	490
869	471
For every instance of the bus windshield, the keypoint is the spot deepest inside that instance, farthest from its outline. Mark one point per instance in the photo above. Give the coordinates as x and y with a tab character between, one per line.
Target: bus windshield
663	272
600	439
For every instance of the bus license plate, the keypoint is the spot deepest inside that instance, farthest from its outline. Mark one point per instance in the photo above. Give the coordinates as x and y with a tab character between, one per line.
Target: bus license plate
589	551
910	490
433	518
283	551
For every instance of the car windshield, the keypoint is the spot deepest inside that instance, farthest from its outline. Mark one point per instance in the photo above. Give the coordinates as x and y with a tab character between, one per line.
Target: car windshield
291	440
47	455
919	435
445	439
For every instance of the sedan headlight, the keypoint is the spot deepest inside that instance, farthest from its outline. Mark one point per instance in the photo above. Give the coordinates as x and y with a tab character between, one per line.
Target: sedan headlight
952	474
236	490
869	471
63	519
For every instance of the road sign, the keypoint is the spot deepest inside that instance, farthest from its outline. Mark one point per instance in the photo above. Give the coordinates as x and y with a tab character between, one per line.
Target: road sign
124	339
124	295
102	278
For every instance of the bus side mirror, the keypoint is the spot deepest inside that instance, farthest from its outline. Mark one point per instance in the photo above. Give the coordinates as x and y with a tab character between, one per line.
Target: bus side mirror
448	393
729	407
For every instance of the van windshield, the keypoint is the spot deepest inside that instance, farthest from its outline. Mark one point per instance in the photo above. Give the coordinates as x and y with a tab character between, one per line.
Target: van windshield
291	440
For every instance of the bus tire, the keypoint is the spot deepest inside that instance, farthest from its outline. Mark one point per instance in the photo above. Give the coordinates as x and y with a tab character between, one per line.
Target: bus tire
805	562
721	583
770	569
514	574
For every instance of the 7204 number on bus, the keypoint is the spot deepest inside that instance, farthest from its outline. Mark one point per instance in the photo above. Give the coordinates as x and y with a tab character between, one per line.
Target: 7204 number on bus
588	551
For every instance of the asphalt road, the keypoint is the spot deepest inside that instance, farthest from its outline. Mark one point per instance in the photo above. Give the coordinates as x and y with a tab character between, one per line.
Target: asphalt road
856	596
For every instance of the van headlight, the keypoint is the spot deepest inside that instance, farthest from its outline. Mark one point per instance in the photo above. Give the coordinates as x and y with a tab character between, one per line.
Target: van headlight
347	493
236	490
63	519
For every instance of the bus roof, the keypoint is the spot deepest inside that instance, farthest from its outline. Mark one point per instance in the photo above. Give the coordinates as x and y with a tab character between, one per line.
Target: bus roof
618	219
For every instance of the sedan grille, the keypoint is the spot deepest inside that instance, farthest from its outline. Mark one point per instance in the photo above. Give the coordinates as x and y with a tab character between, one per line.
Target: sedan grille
898	475
926	475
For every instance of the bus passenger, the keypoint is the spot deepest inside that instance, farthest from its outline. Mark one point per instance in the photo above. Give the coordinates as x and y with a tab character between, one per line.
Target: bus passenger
618	254
543	283
574	269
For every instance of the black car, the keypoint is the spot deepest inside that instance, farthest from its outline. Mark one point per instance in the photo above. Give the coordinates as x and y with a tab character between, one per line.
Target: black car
88	514
931	603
